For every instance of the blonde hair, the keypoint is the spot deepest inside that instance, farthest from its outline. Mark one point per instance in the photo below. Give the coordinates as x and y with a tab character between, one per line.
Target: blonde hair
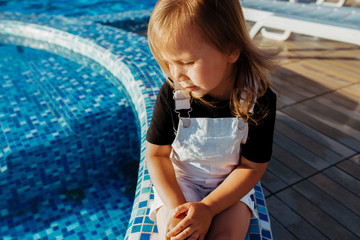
222	24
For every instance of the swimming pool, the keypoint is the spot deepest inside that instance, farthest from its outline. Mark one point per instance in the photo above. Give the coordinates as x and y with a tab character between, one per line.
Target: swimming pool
72	110
76	8
93	83
61	116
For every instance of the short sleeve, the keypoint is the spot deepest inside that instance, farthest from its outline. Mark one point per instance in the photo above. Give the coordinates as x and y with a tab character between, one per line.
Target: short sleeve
258	147
161	130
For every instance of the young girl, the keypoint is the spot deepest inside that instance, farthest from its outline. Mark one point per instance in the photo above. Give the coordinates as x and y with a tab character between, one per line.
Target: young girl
211	134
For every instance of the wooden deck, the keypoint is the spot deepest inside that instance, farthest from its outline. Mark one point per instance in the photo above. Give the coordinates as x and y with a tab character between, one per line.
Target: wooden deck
312	183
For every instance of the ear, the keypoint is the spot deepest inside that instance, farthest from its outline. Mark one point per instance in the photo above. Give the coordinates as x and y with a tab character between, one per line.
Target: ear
234	54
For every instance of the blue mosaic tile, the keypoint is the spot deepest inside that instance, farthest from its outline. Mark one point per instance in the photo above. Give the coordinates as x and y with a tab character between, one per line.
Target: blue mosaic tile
266	234
35	116
263	217
75	8
260	202
98	211
255	237
145	236
254	229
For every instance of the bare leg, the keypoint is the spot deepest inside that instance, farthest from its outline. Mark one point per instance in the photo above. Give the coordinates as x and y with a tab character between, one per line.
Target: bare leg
161	217
162	221
233	223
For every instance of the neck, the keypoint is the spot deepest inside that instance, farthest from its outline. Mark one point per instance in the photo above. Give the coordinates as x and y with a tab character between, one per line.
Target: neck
224	91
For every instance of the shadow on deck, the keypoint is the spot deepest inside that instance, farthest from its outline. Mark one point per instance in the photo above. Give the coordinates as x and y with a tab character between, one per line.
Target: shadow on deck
312	183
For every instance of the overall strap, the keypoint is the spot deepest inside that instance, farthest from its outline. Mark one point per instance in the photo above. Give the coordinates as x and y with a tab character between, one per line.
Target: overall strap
182	102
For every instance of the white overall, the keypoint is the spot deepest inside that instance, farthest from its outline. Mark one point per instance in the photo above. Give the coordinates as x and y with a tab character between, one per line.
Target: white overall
204	153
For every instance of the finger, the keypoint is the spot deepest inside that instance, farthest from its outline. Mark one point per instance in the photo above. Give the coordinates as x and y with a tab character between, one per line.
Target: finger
194	236
185	234
183	224
180	209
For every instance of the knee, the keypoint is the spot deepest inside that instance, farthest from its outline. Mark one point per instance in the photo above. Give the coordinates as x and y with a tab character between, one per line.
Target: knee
224	236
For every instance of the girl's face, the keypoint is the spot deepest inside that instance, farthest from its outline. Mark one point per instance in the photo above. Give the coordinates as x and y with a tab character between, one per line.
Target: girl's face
200	68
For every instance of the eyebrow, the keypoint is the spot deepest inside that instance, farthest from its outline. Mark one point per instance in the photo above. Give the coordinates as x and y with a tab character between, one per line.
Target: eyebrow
185	59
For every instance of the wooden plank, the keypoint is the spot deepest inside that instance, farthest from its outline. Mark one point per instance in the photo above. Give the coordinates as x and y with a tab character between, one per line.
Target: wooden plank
347	181
351	166
318	114
345	115
346	99
279	231
287	94
344	105
319	78
283	101
283	172
332	69
315	147
303	48
335	190
356	159
330	206
301	113
300	85
291	220
333	118
351	63
272	182
323	51
300	151
284	92
265	191
315	135
352	92
314	215
326	44
293	162
312	47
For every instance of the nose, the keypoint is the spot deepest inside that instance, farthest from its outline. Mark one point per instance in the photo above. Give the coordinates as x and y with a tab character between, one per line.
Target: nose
176	72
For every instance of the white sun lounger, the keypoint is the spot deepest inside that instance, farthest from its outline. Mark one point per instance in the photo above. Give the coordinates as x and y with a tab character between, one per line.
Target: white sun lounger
338	24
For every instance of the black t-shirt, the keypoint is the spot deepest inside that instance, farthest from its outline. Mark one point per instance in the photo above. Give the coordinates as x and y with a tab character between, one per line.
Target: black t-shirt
165	120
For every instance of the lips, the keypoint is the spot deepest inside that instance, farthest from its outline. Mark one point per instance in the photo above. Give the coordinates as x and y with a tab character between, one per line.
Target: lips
191	88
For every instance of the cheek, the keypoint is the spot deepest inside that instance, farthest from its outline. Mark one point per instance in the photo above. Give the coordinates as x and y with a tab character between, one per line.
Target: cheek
199	75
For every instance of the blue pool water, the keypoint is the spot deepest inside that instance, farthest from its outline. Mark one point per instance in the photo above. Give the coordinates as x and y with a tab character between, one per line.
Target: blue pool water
31	83
74	8
99	211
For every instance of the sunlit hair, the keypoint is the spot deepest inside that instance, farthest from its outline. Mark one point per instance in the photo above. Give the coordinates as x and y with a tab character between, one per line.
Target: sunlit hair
222	24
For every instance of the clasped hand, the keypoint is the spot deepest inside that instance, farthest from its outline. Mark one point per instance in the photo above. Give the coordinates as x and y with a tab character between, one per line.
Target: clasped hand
196	219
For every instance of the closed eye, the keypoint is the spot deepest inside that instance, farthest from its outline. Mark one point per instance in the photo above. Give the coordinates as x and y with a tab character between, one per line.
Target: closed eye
187	63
